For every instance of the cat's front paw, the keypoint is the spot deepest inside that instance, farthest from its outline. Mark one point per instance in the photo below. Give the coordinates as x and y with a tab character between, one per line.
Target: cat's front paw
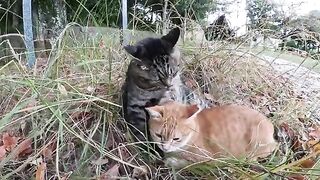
175	162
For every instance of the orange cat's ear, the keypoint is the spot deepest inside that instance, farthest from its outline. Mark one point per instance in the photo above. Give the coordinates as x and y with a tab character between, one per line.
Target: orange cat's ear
155	112
192	109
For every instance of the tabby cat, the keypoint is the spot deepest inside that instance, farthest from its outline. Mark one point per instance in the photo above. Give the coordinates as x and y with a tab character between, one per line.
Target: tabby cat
152	78
188	134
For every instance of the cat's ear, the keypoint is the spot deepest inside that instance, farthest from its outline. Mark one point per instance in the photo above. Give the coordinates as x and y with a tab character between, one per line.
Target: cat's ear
133	50
172	37
192	109
154	112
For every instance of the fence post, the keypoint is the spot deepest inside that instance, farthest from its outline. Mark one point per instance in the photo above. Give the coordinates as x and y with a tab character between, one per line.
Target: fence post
28	33
124	22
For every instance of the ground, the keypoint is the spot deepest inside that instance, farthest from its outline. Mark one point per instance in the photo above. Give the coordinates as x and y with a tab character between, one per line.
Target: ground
306	81
61	119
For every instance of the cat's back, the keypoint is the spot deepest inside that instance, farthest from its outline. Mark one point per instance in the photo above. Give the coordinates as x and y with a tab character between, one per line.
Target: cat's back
241	125
230	110
237	115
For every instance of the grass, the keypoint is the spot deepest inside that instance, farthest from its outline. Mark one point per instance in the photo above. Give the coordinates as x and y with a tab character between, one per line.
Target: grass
69	107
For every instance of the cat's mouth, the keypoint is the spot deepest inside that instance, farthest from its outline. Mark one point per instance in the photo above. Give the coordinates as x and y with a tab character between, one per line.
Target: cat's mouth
169	148
166	83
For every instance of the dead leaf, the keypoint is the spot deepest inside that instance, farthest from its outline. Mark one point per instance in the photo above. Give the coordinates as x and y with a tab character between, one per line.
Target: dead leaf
9	142
297	144
308	163
296	177
2	152
24	148
140	173
111	174
40	173
100	161
315	133
314	145
47	153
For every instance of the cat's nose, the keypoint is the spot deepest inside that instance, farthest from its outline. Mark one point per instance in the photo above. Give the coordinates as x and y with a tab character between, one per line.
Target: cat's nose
166	147
167	83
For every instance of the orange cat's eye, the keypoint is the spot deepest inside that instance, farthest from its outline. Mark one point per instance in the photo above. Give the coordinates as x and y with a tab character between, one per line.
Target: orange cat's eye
158	135
176	139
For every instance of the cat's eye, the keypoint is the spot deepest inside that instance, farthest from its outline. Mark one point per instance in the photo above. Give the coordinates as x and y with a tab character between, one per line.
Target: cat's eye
143	67
158	135
176	139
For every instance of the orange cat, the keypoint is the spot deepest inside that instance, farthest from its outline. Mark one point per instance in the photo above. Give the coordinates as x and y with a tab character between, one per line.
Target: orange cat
188	134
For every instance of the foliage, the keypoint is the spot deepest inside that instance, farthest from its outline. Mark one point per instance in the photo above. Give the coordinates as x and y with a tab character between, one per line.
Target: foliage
304	32
96	12
10	16
193	9
310	22
260	13
140	12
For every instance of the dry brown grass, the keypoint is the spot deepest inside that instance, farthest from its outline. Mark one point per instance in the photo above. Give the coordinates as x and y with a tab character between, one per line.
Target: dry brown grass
69	108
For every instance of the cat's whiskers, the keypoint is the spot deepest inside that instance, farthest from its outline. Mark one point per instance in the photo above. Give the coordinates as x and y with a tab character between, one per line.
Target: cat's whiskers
136	59
170	124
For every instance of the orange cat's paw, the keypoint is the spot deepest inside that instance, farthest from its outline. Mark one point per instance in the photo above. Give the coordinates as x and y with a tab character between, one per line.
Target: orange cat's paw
175	162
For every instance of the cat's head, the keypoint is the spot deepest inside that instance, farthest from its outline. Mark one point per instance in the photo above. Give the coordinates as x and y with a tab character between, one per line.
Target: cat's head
172	125
156	61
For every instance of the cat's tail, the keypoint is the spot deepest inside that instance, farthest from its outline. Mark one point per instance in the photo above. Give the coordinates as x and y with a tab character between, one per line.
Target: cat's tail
276	134
280	134
288	139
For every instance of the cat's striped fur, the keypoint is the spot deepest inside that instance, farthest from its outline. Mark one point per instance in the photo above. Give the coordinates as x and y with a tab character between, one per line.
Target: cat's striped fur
152	78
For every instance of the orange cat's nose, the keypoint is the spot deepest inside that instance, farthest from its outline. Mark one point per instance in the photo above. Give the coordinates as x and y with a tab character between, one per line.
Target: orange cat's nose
166	147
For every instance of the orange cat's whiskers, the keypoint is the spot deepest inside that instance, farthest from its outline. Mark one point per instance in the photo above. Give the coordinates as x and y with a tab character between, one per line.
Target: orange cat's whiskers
168	127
